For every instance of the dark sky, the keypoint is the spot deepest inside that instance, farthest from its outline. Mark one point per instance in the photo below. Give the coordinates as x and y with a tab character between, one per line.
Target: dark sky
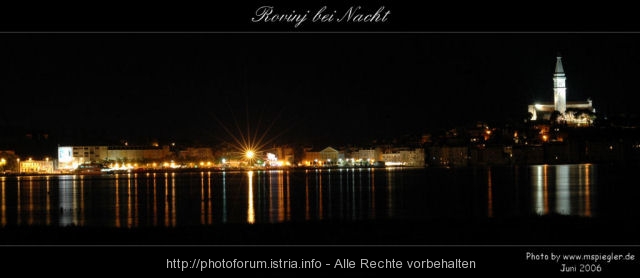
301	86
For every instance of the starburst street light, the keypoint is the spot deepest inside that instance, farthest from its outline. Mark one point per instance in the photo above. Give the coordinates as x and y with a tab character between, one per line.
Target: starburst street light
249	136
250	154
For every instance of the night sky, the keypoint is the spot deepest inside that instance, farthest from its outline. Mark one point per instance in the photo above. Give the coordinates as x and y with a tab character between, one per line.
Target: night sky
300	87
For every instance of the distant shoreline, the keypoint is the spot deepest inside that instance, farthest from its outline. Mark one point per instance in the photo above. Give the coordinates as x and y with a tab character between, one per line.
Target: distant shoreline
220	170
211	169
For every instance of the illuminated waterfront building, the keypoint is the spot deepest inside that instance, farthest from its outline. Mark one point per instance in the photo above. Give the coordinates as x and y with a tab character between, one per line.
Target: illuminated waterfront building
36	166
69	157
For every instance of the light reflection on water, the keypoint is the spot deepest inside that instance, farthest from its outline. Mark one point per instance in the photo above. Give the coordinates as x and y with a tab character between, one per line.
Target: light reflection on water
273	196
563	189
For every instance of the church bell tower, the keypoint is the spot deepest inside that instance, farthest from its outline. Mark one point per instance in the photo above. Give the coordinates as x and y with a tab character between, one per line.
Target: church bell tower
559	87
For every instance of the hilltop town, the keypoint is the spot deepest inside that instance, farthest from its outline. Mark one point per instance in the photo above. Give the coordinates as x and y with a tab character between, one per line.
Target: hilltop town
562	131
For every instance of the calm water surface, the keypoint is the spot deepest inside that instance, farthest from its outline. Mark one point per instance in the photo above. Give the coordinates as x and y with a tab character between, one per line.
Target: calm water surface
275	196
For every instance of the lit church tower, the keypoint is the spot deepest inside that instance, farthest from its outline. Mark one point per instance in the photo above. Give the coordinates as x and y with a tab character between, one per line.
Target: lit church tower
580	112
559	88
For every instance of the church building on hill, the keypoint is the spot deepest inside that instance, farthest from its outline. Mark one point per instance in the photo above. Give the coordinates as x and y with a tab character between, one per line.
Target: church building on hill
574	113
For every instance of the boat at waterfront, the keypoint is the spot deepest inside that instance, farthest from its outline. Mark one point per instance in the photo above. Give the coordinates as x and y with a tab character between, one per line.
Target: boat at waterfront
92	169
